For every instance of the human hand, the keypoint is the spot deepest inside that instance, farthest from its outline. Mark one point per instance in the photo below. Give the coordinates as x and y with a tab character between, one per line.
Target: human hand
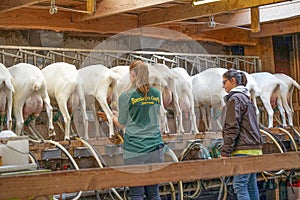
115	113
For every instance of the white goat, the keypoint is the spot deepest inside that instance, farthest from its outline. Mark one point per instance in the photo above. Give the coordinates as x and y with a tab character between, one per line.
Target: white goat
99	82
184	87
271	87
64	84
6	92
30	93
208	91
291	83
170	92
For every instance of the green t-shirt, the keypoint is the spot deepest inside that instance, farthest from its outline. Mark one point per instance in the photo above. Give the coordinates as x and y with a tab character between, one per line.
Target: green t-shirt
141	119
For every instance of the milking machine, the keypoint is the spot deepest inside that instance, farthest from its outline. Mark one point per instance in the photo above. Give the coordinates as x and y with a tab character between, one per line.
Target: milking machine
100	161
195	150
36	138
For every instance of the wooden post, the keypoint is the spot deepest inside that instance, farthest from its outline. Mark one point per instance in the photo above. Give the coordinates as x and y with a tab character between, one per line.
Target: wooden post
255	26
90	6
295	74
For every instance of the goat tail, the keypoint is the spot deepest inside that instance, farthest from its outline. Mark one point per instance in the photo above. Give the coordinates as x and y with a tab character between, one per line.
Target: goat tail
9	85
36	86
296	84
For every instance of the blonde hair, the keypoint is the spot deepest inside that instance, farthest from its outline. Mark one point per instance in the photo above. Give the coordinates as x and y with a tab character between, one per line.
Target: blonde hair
141	81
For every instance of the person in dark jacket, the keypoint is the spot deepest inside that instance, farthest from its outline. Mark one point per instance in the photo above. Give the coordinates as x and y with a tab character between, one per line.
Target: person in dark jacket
241	133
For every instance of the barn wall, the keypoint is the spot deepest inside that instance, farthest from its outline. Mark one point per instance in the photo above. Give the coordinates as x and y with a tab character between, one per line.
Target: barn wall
264	49
295	73
42	38
282	47
13	38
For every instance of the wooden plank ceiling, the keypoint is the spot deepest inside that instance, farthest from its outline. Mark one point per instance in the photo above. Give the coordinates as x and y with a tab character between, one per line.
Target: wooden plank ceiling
115	16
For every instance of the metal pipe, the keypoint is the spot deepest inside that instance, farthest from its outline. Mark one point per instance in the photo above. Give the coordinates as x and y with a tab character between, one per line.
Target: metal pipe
66	153
280	149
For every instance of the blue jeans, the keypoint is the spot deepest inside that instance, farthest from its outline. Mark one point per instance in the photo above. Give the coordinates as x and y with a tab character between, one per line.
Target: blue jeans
151	191
245	187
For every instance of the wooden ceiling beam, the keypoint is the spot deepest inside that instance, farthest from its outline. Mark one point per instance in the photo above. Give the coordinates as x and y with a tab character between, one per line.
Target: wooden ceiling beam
113	7
9	5
26	19
61	21
187	11
224	36
242	17
279	28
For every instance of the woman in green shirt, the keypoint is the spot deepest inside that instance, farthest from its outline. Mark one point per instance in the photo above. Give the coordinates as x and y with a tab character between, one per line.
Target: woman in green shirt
139	109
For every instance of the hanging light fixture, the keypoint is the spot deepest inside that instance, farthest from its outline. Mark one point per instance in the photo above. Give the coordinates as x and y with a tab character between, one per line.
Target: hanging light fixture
53	8
211	23
199	2
90	4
